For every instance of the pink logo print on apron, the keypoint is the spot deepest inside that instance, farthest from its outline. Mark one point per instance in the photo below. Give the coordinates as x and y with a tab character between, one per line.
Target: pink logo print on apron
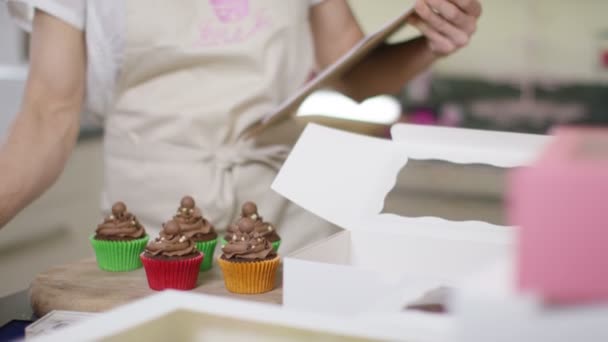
230	10
235	23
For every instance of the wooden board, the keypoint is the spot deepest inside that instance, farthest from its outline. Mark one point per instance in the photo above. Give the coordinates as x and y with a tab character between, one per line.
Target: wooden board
82	286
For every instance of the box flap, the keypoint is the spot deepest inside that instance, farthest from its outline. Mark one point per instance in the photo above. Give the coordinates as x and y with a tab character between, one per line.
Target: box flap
341	177
344	177
466	146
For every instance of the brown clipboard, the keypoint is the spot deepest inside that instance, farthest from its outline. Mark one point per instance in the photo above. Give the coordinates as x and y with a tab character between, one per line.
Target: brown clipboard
289	107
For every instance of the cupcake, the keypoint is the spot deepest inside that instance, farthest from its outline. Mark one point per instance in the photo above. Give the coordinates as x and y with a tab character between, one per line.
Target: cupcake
171	261
119	240
194	226
248	261
264	229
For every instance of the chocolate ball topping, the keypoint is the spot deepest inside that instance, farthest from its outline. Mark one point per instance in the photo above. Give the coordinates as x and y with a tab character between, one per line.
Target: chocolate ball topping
249	208
172	228
246	225
187	202
118	209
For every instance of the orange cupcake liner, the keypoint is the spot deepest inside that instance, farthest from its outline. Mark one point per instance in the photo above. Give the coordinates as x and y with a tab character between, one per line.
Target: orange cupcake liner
250	277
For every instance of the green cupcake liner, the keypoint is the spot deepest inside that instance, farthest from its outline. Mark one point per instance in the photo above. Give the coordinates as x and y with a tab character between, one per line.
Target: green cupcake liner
207	248
118	256
275	245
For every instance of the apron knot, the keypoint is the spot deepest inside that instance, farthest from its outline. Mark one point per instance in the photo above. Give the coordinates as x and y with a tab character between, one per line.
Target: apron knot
242	152
226	157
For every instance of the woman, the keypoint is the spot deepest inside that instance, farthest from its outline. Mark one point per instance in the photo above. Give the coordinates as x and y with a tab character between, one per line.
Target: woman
177	82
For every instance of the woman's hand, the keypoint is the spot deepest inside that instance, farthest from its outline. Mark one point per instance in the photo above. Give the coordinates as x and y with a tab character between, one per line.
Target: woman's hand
447	24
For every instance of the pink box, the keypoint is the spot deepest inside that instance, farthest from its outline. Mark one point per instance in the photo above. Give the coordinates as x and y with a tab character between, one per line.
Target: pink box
560	206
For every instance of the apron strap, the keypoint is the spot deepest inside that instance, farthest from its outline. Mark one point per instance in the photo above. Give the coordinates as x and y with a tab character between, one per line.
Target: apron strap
222	159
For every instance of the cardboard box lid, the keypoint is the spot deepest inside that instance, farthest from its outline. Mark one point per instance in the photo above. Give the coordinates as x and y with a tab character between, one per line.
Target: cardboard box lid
344	177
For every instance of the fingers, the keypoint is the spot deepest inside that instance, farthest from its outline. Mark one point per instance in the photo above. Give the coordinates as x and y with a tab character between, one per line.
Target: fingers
438	43
436	22
447	24
448	11
471	7
453	14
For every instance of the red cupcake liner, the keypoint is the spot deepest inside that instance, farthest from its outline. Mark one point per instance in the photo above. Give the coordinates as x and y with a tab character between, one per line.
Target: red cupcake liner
172	274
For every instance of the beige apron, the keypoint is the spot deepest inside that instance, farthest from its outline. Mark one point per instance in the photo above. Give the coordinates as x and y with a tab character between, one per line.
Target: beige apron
196	74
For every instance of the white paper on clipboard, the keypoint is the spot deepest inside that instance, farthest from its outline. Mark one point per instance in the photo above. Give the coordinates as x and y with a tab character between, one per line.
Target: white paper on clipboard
353	56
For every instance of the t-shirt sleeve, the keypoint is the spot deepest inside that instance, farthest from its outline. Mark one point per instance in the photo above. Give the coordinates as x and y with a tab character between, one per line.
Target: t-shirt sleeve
71	11
315	2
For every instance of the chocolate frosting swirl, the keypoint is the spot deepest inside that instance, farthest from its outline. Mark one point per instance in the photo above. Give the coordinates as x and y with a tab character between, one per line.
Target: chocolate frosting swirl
246	244
120	224
250	210
171	242
191	220
265	229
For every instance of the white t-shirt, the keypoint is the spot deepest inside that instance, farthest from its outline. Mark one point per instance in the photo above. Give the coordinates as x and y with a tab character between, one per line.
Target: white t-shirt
104	24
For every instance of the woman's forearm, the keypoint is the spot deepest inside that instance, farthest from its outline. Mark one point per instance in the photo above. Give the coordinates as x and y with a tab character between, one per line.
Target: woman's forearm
44	132
32	157
387	69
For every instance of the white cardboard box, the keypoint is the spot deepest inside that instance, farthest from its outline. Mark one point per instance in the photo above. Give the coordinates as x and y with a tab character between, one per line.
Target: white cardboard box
187	316
489	308
382	260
